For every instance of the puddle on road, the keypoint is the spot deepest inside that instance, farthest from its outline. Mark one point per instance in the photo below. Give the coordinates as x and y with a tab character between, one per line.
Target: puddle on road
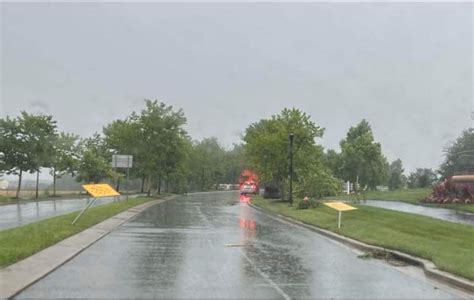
237	245
385	256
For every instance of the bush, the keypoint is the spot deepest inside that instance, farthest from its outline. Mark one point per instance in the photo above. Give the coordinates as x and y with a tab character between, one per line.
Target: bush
307	203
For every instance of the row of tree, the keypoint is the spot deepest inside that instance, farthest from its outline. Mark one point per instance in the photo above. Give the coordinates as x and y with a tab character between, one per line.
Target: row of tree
164	154
29	143
360	160
165	157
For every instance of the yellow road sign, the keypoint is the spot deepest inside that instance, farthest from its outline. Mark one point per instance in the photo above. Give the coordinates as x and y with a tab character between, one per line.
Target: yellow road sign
340	206
100	190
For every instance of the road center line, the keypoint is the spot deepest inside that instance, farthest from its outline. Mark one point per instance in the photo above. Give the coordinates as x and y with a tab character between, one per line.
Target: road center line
265	276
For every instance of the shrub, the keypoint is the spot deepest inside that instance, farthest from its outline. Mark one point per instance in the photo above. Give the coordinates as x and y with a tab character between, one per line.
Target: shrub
307	203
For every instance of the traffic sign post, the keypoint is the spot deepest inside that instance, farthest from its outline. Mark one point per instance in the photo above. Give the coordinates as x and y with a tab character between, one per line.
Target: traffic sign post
126	162
340	207
96	191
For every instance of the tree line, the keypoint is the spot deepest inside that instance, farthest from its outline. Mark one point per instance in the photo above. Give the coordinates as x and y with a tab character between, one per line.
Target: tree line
166	158
320	172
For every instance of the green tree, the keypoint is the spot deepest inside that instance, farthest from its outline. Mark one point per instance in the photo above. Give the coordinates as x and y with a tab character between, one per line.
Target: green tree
317	180
40	131
206	164
66	156
234	163
124	137
94	162
267	148
459	156
163	138
333	161
396	178
15	153
422	178
362	160
156	139
26	144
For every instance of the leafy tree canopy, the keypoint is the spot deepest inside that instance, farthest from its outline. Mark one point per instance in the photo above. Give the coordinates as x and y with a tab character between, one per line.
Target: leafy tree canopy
267	148
459	156
362	160
396	178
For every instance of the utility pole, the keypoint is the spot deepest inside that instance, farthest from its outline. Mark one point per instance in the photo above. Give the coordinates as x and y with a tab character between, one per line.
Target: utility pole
291	168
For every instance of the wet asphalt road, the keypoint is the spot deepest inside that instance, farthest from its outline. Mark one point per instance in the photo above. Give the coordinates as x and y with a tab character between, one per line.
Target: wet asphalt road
14	215
450	215
202	246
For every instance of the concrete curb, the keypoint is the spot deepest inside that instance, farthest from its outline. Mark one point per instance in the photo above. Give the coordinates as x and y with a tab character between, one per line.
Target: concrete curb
429	267
17	277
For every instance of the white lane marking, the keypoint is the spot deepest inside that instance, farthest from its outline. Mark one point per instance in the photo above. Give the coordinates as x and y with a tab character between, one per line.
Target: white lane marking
265	276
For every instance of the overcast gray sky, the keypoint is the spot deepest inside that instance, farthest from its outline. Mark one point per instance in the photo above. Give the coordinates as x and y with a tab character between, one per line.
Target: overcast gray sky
405	67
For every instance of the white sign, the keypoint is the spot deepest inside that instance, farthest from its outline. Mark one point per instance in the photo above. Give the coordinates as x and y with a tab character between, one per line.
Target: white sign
122	161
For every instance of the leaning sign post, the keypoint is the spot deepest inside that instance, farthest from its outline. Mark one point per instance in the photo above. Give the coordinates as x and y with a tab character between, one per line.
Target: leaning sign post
340	207
96	191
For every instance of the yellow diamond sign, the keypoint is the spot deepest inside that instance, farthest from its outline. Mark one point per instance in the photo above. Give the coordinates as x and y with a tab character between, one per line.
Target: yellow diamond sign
100	190
340	206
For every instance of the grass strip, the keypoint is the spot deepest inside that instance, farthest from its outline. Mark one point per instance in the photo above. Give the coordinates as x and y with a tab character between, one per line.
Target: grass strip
448	245
412	196
20	242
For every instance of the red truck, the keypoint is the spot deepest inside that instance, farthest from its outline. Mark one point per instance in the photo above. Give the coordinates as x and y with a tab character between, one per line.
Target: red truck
248	183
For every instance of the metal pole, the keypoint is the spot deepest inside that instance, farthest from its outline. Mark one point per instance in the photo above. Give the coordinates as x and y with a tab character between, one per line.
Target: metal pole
291	168
128	177
37	182
83	211
339	221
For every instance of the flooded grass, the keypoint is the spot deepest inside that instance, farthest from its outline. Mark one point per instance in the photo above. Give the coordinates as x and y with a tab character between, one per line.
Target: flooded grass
412	196
21	242
449	245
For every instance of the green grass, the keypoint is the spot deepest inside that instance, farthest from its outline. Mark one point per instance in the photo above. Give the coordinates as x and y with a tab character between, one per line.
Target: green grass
412	196
18	243
449	245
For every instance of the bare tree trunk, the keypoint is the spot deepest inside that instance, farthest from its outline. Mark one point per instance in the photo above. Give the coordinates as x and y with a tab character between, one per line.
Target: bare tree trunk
117	187
19	185
143	184
37	182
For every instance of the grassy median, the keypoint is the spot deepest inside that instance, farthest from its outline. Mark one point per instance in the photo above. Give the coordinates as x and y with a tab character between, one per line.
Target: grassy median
412	196
21	242
449	245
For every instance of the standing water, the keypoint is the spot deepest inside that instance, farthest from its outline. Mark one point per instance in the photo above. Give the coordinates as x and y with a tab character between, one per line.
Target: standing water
438	213
13	215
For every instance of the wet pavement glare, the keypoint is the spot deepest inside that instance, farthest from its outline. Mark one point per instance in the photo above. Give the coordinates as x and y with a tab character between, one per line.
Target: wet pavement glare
14	215
210	245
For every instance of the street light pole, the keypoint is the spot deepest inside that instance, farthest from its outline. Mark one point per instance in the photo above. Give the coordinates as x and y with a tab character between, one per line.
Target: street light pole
291	168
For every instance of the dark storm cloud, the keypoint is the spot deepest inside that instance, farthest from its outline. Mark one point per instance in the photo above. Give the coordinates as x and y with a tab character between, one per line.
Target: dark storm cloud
405	67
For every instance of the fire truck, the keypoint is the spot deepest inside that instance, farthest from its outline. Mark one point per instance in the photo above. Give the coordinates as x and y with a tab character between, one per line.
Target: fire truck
248	183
